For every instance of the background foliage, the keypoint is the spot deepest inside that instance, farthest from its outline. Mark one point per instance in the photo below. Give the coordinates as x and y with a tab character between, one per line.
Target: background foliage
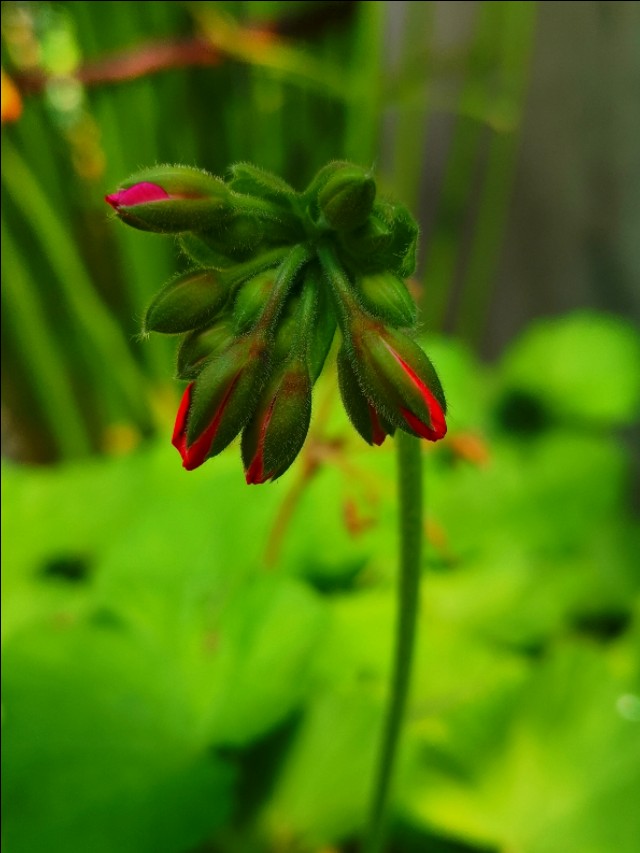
191	665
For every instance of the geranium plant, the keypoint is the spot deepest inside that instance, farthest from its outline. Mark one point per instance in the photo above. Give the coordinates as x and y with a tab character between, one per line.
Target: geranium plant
274	273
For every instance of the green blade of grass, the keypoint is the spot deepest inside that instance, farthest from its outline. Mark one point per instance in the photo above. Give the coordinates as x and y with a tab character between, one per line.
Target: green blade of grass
91	316
41	354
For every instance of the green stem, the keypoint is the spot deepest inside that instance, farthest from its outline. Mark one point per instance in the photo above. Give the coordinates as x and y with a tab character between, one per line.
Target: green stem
287	274
239	273
410	518
344	301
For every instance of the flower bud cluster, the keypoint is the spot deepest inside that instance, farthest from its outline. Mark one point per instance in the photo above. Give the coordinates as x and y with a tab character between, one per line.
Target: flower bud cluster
274	273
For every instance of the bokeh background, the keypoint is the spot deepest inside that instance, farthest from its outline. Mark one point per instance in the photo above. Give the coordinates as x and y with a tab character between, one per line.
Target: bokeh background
193	666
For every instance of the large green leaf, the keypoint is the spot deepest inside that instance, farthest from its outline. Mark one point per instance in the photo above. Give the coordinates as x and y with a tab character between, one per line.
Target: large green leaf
100	748
562	775
584	367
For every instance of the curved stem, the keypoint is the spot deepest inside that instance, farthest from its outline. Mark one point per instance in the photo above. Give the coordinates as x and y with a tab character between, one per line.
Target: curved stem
410	529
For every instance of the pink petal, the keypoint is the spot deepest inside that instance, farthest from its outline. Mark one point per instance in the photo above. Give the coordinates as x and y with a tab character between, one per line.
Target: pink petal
137	194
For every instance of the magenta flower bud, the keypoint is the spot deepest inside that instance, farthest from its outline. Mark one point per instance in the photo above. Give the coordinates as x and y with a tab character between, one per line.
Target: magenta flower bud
171	200
217	405
275	434
399	379
368	422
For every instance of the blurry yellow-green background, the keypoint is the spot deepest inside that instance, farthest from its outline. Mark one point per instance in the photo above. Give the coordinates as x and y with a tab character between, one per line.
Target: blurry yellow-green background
194	666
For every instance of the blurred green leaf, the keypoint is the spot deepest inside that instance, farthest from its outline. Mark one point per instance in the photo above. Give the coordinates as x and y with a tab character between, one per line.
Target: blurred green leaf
466	382
583	367
562	775
101	751
541	497
322	789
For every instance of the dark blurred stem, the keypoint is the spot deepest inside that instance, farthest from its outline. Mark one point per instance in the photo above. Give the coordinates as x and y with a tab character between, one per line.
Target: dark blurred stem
410	529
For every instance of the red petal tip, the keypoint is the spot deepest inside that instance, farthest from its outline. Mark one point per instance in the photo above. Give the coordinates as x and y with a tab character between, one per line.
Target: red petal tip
254	475
179	437
438	431
378	434
438	428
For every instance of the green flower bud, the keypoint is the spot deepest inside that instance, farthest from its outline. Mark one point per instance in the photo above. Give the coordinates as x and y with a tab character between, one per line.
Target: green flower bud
277	430
324	328
367	243
188	302
385	296
398	378
403	248
251	299
295	332
346	199
368	422
322	176
286	333
251	180
201	345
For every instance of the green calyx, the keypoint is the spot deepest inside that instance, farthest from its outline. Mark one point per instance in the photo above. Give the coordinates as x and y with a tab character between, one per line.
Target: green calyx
188	302
274	273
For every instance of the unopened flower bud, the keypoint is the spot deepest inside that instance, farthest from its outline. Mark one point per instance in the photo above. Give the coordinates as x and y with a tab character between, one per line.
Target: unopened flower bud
170	199
251	180
188	302
402	251
399	379
368	245
385	296
201	345
324	327
286	332
277	430
368	422
346	199
251	298
217	405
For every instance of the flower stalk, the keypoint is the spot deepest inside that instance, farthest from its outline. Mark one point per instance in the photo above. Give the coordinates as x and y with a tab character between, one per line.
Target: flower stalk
410	497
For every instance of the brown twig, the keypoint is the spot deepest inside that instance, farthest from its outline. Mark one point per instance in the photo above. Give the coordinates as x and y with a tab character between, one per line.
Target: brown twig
168	54
128	65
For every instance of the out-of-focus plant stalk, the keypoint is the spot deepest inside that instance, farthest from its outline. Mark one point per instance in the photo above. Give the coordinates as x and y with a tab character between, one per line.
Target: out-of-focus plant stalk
363	116
410	532
516	44
76	287
42	355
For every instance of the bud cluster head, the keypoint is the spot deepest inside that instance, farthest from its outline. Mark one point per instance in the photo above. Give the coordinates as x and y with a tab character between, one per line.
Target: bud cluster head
274	273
